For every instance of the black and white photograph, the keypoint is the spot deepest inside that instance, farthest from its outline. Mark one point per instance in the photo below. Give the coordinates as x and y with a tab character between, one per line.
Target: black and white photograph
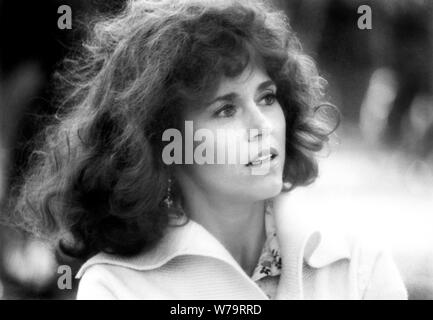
216	150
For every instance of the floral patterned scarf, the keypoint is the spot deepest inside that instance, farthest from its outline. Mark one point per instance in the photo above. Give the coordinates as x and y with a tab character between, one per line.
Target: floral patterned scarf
270	261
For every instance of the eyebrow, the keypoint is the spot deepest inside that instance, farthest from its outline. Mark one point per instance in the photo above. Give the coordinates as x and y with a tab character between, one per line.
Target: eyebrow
233	95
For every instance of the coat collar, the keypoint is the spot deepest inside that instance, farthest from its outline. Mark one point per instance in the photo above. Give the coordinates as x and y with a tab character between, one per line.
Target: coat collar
299	239
303	241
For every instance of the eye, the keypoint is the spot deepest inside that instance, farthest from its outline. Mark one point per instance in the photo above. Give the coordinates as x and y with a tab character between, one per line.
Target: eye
226	111
269	98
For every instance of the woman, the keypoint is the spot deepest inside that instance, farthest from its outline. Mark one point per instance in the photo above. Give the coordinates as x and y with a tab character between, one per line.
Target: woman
108	188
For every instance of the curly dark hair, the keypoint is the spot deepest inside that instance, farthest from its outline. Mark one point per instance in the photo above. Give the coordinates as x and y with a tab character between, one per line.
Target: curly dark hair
97	182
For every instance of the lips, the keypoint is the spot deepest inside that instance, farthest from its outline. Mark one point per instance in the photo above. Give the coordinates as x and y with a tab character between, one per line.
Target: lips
267	155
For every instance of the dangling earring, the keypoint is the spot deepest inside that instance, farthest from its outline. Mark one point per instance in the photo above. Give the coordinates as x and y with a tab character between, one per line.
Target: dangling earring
287	186
168	200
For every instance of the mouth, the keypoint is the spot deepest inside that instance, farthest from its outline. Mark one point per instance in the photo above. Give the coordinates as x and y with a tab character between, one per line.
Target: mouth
263	157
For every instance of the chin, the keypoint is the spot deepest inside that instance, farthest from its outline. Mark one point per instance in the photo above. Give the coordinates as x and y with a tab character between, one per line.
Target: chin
268	187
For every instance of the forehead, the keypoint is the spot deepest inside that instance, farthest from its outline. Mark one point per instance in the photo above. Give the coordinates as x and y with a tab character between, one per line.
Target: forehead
251	77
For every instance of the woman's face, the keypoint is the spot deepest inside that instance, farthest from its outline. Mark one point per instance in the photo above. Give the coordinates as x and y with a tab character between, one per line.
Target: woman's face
245	131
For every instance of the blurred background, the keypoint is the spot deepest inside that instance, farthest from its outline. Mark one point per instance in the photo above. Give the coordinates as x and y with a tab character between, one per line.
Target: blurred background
376	176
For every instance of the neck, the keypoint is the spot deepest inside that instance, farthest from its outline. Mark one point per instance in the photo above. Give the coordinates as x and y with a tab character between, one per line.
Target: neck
240	227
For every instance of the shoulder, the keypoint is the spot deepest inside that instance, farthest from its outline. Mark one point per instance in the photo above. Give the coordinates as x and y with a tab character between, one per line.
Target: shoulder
106	276
334	255
97	282
366	262
378	274
116	278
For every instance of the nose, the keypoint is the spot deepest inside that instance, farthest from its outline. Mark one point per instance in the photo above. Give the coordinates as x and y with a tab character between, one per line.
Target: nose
259	124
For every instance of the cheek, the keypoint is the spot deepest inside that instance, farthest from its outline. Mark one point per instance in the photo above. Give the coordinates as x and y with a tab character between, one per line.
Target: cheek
279	121
279	134
225	141
226	152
